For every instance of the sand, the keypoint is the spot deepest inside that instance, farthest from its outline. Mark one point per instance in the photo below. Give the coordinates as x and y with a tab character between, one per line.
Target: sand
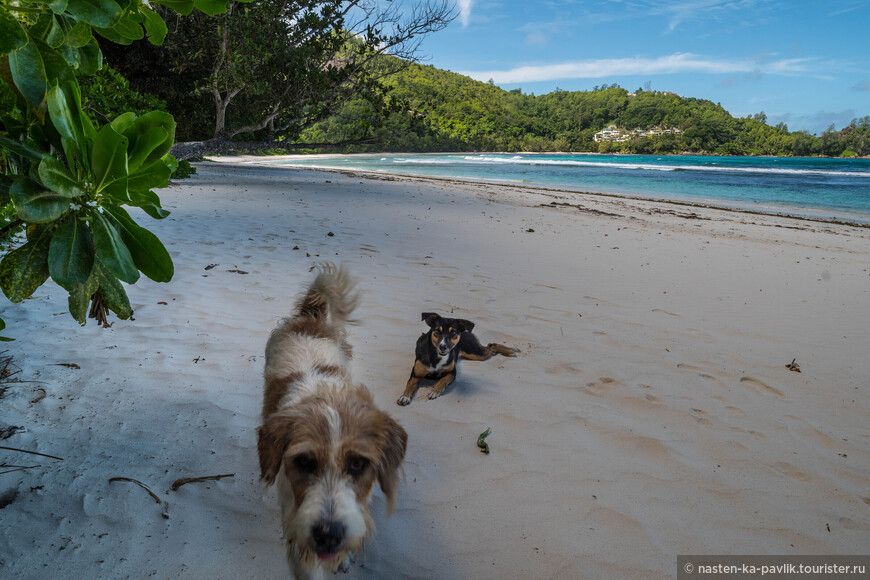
650	413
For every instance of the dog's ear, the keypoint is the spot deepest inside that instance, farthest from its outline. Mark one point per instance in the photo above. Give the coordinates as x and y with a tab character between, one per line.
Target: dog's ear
391	453
464	325
272	438
429	318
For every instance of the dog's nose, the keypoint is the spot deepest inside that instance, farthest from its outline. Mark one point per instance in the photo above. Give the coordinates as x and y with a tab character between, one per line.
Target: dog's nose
327	536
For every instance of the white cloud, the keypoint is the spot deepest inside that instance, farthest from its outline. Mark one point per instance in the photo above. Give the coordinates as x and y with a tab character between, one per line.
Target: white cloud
613	67
464	11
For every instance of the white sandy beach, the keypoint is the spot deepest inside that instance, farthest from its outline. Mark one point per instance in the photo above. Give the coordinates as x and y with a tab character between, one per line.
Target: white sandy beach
650	413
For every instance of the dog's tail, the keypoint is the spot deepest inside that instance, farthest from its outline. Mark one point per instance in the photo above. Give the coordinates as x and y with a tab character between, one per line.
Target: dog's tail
331	294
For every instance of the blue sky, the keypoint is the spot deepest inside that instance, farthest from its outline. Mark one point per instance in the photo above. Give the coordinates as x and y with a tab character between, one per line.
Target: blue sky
803	63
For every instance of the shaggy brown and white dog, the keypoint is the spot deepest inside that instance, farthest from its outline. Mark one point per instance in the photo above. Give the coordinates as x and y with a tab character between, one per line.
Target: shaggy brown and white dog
322	437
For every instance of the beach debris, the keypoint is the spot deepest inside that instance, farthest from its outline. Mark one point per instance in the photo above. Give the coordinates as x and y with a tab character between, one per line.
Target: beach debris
67	365
7	497
13	468
99	311
40	396
530	231
481	441
237	271
793	366
10	430
5	364
165	505
31	452
330	234
185	480
210	266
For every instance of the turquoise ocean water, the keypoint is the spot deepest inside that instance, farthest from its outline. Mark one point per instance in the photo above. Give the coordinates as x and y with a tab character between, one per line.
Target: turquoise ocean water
813	187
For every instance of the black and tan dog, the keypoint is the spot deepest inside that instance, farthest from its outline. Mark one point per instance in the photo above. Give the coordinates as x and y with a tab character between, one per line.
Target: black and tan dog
448	340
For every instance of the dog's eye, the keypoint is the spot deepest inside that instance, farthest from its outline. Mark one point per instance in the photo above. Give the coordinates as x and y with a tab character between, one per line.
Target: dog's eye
305	464
356	465
436	334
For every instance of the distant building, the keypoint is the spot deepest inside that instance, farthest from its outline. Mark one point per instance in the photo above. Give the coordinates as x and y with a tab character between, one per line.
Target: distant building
618	135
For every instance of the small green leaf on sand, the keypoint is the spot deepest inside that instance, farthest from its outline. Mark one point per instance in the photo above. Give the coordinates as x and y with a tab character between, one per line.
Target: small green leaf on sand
481	441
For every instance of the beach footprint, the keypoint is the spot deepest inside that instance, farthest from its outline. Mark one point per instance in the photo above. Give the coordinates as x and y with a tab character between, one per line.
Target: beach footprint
761	387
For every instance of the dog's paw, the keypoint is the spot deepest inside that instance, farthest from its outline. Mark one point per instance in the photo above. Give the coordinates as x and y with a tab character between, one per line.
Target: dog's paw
404	401
434	395
344	566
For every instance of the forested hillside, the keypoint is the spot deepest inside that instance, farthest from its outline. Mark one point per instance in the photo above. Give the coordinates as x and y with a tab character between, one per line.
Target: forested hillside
446	111
422	108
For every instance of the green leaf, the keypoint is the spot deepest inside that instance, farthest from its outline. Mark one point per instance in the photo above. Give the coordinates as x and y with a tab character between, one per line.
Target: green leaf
79	35
6	182
154	177
56	35
20	148
113	292
66	118
144	146
57	6
172	163
71	255
151	150
56	177
128	28
90	57
183	7
28	72
100	13
12	35
111	249
25	269
80	297
70	55
155	27
108	157
111	34
211	7
123	121
34	203
118	191
148	202
4	338
148	252
40	28
57	70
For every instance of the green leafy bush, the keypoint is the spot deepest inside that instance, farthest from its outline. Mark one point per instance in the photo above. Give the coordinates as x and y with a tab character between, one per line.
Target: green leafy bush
107	94
66	179
184	170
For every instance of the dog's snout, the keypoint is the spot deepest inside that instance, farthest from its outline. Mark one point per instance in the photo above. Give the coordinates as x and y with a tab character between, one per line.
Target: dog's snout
327	536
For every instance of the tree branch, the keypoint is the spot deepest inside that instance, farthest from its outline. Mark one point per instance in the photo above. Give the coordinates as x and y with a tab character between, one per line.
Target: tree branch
195	149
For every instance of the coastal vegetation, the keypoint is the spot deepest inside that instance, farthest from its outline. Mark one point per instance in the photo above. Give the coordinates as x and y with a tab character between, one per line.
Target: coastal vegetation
66	176
266	71
78	145
448	111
